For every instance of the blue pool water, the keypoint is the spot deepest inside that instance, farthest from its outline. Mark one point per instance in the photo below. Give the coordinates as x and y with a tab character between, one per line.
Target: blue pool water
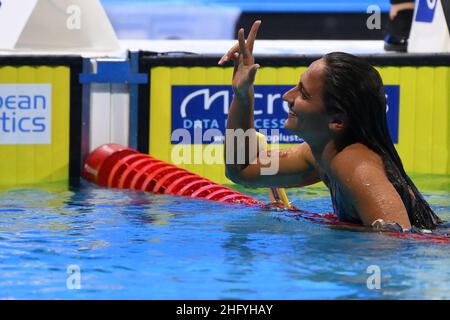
134	245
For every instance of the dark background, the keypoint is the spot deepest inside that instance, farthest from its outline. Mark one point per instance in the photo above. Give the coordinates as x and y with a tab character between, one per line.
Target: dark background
310	25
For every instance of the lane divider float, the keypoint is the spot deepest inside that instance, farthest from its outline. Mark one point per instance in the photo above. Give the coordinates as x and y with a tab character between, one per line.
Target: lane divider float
116	166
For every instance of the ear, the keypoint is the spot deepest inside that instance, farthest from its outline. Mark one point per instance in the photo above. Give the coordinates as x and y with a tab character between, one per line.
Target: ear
338	123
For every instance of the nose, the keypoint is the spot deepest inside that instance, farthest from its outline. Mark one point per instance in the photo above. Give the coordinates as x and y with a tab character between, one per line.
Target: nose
289	96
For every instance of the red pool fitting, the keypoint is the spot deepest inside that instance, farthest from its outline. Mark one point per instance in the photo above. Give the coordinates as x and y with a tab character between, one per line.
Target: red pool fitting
116	166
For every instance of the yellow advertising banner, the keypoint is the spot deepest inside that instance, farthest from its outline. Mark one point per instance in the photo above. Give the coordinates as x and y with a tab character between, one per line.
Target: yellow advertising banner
34	124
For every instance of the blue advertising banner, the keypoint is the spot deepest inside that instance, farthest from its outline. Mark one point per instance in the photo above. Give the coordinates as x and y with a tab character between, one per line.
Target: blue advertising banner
425	10
393	110
205	107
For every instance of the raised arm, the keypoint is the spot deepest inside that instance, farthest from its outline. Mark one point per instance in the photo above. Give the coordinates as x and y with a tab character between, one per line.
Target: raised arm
240	115
295	166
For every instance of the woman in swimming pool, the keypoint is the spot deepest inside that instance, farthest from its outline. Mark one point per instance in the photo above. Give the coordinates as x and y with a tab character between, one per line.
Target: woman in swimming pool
339	109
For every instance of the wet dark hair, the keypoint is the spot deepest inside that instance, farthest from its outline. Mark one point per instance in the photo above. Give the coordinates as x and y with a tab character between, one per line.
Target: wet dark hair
354	88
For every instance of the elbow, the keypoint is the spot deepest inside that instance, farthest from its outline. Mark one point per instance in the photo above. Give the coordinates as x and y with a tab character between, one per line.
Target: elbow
233	175
236	176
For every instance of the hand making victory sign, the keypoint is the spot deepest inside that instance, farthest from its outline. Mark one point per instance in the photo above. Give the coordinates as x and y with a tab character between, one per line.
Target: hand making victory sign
244	63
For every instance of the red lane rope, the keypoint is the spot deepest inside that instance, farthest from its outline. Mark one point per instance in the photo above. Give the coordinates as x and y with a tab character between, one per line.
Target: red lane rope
114	165
131	171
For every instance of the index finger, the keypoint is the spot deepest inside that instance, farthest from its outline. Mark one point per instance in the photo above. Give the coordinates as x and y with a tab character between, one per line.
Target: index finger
242	47
252	35
233	50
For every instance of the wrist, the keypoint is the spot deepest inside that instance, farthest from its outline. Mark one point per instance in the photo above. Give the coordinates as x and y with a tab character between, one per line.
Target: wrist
244	96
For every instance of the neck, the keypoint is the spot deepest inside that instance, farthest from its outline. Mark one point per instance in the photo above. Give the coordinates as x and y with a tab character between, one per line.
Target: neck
326	150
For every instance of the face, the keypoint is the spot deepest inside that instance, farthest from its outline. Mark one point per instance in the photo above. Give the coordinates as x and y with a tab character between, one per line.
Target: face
307	116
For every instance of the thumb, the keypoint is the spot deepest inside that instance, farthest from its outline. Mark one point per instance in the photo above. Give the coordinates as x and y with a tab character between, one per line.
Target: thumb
252	72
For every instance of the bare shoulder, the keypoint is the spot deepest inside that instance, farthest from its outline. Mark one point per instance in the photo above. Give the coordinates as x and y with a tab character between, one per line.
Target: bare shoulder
357	159
360	172
357	166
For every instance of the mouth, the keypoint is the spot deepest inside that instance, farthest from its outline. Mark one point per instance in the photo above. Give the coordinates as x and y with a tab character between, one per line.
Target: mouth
291	113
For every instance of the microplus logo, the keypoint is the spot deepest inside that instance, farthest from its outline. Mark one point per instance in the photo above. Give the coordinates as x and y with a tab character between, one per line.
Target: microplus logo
25	113
205	107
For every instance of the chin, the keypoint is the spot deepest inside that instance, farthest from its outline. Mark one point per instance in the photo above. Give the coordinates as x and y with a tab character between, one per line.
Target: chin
289	126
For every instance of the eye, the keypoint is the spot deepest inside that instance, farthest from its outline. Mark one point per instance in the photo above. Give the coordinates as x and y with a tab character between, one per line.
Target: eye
302	93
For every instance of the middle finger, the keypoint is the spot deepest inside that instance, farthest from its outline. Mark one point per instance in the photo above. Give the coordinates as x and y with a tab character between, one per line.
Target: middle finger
252	35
